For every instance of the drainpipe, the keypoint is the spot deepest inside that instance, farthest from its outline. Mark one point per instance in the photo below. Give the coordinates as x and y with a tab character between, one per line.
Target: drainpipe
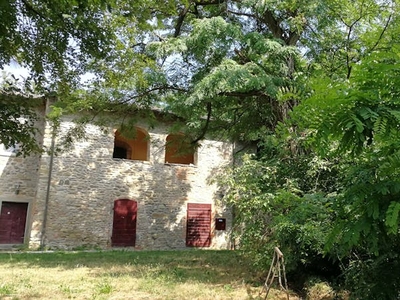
53	138
233	215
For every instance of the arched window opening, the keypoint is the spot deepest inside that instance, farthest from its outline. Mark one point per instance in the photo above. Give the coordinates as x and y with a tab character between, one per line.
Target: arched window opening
136	148
178	150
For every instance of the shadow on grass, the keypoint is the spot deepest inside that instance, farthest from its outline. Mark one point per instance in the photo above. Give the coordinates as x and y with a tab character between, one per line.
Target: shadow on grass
203	266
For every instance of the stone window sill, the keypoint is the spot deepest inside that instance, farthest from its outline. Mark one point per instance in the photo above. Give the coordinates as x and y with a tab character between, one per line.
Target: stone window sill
132	160
180	165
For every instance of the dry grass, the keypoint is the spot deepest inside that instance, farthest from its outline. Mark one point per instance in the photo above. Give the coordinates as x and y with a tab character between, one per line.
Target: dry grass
128	275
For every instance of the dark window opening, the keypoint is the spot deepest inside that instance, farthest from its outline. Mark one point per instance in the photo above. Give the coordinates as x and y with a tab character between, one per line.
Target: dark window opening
120	152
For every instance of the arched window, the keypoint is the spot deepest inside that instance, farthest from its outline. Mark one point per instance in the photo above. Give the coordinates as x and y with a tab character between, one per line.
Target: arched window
178	150
136	148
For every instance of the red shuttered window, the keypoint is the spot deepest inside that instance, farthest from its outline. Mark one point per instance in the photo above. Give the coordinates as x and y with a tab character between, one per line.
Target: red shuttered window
198	229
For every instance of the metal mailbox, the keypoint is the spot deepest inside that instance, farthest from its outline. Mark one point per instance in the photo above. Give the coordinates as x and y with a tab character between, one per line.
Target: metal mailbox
220	223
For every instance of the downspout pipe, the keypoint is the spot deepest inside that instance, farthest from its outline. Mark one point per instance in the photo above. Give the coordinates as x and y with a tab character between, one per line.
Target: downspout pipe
47	199
233	240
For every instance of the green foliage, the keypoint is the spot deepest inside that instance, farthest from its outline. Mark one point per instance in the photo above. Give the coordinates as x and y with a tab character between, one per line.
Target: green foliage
370	194
19	114
281	199
355	122
370	277
230	72
57	40
6	289
361	110
392	217
344	32
104	288
234	62
83	52
38	34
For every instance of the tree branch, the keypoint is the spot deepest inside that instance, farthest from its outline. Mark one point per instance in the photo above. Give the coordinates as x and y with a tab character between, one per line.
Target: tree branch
29	6
273	24
205	128
349	67
243	94
292	38
149	91
382	33
205	3
180	20
242	14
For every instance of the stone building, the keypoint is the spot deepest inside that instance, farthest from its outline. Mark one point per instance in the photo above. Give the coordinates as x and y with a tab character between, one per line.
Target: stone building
111	191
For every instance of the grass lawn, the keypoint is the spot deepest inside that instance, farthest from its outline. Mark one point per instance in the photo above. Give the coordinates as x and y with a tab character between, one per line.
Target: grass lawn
189	274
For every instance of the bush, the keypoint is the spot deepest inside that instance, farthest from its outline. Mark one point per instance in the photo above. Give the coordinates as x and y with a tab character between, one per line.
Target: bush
272	208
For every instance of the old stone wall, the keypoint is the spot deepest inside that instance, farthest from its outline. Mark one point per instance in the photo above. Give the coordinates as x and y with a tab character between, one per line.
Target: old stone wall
86	180
19	176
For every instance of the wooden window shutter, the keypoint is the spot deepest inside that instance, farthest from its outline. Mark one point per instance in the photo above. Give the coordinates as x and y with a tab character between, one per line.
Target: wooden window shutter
198	228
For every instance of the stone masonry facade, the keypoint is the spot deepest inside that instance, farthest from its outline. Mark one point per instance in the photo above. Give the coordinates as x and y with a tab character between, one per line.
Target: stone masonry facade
71	195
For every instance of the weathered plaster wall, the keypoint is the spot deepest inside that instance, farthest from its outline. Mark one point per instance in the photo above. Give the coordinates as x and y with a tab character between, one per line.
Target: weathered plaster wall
86	180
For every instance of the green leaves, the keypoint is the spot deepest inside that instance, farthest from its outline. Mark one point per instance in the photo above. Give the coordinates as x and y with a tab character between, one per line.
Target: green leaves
392	217
239	74
280	199
354	122
17	129
358	112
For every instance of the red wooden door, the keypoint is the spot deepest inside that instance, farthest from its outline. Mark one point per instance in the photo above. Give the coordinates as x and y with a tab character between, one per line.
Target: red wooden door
12	222
124	223
198	229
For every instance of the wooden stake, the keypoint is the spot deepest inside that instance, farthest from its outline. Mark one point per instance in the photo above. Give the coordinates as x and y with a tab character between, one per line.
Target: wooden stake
277	265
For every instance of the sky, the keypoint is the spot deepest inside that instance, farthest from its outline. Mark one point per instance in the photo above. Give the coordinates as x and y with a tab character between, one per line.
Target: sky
13	68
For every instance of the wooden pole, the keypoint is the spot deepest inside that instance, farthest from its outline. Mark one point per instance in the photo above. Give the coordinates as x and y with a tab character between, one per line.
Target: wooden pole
277	265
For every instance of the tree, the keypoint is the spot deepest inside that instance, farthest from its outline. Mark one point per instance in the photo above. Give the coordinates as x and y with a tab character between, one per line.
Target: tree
238	63
55	41
205	62
19	117
363	129
283	198
59	42
41	36
235	62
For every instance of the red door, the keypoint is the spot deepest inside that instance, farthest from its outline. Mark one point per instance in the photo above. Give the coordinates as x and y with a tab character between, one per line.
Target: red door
12	222
124	223
198	229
